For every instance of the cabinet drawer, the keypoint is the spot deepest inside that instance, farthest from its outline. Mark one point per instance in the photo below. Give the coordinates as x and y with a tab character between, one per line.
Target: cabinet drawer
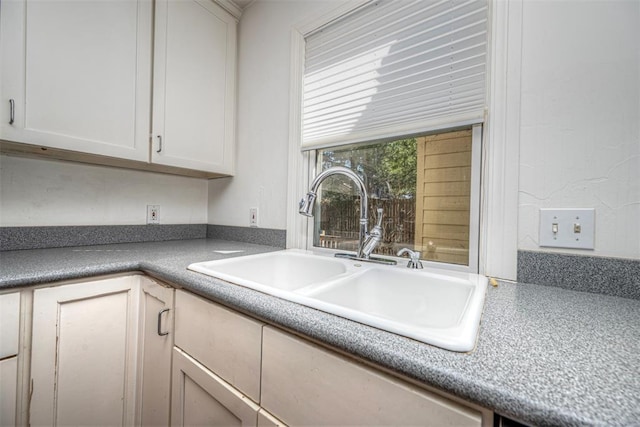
227	343
201	398
303	384
8	391
265	419
9	324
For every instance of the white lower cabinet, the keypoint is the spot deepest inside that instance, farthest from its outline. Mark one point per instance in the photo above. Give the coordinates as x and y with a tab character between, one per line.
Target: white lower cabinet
105	352
101	354
8	393
300	383
216	365
9	347
83	360
199	397
304	384
9	324
226	342
156	343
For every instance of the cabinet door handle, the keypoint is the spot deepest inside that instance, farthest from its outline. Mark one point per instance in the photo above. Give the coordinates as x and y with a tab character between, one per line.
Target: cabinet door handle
12	111
159	144
160	323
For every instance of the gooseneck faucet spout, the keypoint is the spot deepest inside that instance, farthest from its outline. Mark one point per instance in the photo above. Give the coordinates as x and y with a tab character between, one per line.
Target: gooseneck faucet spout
307	202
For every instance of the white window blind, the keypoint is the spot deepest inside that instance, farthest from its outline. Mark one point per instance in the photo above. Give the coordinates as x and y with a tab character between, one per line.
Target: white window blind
395	67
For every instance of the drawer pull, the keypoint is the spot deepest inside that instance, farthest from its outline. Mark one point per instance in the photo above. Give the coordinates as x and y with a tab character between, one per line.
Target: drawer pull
12	111
160	323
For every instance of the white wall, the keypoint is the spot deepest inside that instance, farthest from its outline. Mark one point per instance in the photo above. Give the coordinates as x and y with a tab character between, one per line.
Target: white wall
580	119
580	134
580	115
263	115
36	192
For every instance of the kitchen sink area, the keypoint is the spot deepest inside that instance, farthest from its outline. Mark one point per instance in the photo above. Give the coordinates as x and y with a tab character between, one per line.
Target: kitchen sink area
320	213
437	307
527	338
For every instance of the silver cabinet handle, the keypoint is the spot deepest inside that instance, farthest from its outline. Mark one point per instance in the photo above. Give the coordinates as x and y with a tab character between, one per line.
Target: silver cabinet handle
159	144
12	111
160	323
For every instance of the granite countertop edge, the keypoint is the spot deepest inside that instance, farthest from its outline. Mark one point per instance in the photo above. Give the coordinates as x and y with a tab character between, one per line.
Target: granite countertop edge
466	375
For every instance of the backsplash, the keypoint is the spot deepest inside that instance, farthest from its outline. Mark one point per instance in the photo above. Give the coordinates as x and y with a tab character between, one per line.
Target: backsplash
609	276
16	238
258	236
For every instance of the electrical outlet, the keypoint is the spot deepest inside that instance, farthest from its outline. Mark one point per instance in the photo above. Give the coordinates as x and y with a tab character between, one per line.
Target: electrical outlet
153	214
253	217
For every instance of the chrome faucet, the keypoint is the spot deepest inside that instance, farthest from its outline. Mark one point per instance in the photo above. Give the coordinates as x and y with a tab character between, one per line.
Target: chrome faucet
414	257
367	242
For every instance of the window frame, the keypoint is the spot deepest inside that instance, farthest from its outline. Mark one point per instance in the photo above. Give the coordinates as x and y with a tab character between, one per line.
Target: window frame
474	214
498	204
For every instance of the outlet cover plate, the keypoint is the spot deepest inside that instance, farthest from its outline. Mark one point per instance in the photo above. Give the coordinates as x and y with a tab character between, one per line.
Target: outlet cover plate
253	217
574	228
153	214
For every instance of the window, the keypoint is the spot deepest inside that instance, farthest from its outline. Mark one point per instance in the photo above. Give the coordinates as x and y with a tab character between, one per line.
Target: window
386	70
424	184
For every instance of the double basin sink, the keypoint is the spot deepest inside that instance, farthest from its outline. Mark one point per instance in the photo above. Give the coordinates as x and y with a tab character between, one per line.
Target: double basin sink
437	307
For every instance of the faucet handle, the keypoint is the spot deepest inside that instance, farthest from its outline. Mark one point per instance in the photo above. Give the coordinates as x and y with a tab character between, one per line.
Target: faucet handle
414	257
379	221
373	237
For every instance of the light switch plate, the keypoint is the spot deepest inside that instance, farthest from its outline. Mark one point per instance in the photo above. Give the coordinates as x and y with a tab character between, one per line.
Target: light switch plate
253	217
567	228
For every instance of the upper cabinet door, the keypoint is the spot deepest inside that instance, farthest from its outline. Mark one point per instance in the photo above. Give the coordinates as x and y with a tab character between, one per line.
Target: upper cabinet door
194	86
76	75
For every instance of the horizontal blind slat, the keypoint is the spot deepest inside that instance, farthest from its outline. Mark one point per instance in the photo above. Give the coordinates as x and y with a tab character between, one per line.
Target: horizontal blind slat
422	90
373	38
395	99
386	22
438	67
395	65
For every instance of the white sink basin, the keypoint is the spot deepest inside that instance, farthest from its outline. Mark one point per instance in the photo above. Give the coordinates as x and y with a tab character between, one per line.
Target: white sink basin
281	270
422	300
442	309
431	305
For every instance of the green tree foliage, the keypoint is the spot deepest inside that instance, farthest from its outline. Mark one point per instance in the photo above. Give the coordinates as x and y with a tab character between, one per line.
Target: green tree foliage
399	167
388	169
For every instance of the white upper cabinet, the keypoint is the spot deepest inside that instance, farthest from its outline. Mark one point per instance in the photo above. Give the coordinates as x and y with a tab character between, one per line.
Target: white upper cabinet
194	86
111	81
76	75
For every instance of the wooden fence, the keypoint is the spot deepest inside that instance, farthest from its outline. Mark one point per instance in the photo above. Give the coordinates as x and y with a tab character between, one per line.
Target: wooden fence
340	219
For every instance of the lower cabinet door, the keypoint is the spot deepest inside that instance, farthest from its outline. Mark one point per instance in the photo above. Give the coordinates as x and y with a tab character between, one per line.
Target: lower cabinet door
8	384
229	345
83	360
265	419
156	344
199	397
9	324
303	384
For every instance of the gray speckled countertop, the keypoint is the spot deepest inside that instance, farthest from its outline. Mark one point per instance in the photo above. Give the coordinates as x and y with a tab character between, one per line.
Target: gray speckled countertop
545	355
